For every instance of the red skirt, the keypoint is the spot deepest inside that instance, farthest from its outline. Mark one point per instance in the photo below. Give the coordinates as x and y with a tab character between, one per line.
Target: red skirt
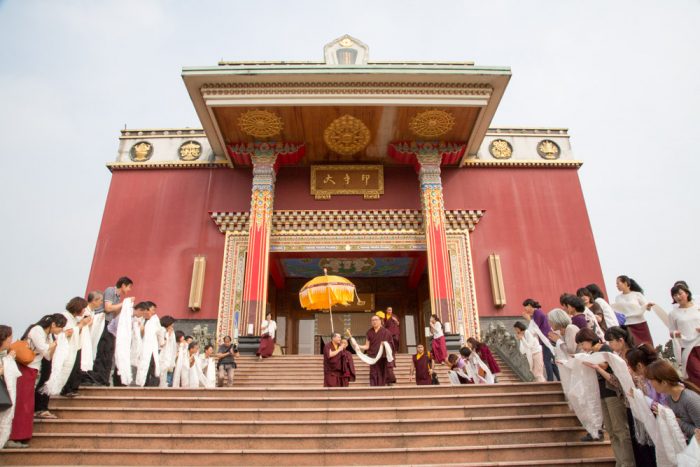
693	367
267	346
439	349
641	333
23	423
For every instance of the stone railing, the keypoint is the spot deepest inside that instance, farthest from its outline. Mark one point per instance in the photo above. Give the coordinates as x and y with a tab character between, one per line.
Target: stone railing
507	347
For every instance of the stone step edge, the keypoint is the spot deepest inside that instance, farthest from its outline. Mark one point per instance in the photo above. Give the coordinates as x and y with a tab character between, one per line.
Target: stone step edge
583	460
302	409
301	451
309	436
307	399
88	421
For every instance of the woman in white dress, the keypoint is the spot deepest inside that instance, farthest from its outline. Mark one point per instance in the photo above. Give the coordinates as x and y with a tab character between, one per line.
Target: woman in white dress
531	348
684	324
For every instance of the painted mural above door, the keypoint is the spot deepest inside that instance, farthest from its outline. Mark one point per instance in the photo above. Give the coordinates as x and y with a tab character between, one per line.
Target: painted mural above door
349	267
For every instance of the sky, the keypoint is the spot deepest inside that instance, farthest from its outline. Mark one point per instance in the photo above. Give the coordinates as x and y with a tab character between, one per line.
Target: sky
623	76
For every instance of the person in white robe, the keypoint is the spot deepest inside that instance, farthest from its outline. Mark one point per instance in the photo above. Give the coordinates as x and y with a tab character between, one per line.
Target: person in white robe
167	343
608	313
148	363
531	348
9	372
181	373
90	335
203	369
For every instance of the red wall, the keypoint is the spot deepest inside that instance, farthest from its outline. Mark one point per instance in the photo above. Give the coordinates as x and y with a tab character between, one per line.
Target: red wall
156	221
536	220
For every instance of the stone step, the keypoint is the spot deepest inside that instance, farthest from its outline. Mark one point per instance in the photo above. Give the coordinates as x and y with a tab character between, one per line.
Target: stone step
298	441
370	456
216	426
293	392
308	402
353	413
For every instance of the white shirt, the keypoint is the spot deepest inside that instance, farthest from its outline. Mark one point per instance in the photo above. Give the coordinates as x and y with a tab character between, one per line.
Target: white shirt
269	327
437	330
39	342
685	320
636	299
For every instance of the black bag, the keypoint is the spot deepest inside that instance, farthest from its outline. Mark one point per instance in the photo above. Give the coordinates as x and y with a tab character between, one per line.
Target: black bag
5	401
435	381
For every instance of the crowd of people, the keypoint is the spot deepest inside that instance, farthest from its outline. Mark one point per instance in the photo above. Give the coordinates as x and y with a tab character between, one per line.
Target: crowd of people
613	377
106	339
603	354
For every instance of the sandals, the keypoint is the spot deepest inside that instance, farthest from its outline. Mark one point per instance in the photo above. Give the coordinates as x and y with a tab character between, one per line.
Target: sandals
46	415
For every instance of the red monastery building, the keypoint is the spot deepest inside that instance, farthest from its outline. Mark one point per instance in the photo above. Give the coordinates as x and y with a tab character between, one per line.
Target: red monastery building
387	173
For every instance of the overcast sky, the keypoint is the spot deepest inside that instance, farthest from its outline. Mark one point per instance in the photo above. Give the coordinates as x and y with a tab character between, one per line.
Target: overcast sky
623	76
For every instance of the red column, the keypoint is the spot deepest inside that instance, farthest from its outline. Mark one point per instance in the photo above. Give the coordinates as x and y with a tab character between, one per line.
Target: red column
257	259
439	272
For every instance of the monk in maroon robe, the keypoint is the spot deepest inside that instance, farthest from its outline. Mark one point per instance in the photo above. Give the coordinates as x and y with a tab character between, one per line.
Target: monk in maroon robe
422	367
378	374
332	363
392	324
347	365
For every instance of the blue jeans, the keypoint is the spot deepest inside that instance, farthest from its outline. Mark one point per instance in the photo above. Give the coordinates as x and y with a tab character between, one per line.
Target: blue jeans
550	367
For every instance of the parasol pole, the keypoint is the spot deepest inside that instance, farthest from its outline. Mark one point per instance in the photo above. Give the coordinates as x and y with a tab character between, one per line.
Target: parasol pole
330	305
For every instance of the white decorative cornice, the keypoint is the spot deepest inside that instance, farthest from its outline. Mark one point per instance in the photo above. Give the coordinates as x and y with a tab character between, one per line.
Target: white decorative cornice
556	164
112	166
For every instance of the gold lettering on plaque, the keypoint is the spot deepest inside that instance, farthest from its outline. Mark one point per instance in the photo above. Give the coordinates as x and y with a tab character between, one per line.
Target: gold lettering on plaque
365	180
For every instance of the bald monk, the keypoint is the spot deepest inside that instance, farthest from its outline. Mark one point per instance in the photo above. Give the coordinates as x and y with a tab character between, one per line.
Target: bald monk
333	363
378	374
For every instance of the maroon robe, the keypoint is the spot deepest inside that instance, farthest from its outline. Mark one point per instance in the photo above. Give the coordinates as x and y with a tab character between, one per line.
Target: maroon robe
422	367
332	367
439	348
23	422
640	333
267	346
393	326
347	365
487	357
378	374
693	367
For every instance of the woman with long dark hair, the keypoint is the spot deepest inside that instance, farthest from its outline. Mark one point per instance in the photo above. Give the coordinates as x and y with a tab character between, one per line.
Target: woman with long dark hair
41	338
611	318
684	324
485	354
632	303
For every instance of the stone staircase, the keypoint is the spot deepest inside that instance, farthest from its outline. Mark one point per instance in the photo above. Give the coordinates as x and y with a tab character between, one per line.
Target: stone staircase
277	414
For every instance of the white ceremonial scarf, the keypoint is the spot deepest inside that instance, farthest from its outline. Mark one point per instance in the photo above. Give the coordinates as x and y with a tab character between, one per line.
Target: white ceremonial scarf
683	345
168	357
590	318
630	310
690	457
384	348
473	363
527	346
149	349
136	341
61	366
122	346
11	373
197	378
96	329
608	313
181	375
535	330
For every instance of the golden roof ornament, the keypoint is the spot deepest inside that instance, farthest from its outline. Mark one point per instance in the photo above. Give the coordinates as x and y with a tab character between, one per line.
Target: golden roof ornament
548	149
346	135
501	149
260	123
141	151
190	151
431	123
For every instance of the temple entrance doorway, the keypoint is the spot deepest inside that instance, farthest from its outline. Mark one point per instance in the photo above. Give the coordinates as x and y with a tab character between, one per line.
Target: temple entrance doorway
383	279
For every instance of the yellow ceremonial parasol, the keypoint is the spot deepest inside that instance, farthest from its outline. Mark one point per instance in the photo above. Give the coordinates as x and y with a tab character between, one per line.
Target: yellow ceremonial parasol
322	292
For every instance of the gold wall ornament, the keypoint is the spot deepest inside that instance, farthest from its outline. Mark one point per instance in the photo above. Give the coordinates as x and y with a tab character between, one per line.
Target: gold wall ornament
346	135
190	151
260	123
141	151
431	123
501	149
548	149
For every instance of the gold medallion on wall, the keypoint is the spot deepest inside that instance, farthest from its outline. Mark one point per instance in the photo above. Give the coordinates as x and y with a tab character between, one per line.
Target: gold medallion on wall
431	123
501	149
141	151
346	135
548	149
260	123
190	151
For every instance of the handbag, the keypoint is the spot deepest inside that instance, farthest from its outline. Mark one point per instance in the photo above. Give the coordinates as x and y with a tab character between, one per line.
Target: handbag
5	401
23	354
435	381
